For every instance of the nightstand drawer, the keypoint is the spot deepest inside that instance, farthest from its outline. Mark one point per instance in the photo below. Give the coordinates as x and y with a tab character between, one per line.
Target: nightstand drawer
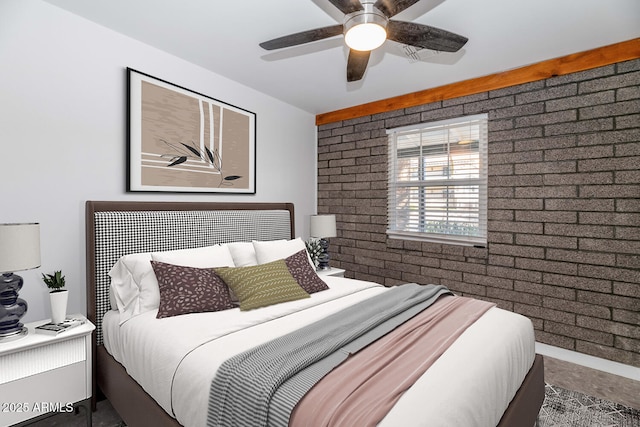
33	361
51	391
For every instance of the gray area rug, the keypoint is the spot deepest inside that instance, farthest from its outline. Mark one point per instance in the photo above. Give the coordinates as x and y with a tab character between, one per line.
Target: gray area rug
567	408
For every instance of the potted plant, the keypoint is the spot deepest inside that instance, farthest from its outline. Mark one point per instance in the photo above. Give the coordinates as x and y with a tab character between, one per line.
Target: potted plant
59	296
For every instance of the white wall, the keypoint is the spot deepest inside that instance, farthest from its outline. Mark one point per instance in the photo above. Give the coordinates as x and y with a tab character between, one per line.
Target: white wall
63	134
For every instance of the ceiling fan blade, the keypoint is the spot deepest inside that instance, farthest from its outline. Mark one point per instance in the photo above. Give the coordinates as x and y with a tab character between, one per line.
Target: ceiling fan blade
357	64
347	6
302	37
393	7
424	36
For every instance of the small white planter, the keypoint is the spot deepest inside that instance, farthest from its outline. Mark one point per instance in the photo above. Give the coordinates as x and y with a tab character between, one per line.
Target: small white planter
58	305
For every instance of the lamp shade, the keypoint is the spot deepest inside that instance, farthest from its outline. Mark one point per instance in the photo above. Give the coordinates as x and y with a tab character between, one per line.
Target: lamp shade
323	226
19	247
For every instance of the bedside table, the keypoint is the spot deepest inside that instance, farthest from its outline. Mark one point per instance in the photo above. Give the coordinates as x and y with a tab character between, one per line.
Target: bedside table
336	272
41	375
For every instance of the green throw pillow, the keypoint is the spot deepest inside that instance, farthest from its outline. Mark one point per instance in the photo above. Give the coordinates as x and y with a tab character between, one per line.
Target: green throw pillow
262	285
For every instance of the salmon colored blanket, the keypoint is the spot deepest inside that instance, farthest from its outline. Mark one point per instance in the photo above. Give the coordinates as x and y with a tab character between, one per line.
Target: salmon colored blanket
362	390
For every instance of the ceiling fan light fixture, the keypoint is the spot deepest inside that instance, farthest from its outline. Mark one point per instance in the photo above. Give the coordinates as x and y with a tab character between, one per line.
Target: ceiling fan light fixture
365	30
365	37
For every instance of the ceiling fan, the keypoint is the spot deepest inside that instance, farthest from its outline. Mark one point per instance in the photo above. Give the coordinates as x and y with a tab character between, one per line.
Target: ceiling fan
367	24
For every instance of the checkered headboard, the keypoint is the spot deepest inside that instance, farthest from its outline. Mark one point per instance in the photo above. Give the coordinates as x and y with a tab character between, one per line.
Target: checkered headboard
165	226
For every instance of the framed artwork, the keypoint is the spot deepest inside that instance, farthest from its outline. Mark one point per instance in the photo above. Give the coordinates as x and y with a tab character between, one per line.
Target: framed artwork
184	141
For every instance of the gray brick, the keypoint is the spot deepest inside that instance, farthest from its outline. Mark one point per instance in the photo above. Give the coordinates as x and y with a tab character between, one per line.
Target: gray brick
574	102
628	289
579	153
609	273
580	333
547	217
488	105
611	246
628	150
516	134
547	93
628	66
611	82
582	126
605	191
515	181
342	130
617	109
609	218
547	266
547	242
593	310
546	143
579	230
583	257
518	251
579	205
357	121
523	204
570	191
629	121
578	178
545	313
402	121
613	137
628	261
517	111
574	282
444	113
545	167
547	119
610	164
627	93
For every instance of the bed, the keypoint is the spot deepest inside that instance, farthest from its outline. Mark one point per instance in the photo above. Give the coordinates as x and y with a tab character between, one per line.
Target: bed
504	383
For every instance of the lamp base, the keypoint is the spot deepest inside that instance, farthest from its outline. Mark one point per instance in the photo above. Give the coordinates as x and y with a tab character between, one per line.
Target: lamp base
12	308
16	335
323	258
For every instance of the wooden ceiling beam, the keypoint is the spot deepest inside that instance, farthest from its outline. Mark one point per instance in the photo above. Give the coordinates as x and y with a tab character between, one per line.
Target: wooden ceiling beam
575	62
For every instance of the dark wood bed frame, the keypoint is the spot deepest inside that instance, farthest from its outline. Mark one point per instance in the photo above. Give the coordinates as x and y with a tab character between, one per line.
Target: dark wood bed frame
137	408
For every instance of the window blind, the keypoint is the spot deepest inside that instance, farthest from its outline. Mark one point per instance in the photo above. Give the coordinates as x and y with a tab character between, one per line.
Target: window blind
438	181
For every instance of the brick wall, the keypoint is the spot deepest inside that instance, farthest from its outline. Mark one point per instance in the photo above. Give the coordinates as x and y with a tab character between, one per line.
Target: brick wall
564	207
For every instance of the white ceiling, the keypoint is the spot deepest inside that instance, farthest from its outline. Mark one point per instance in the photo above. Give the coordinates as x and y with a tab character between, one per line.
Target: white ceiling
223	36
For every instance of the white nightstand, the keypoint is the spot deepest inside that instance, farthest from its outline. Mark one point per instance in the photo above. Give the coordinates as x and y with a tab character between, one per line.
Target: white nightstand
337	272
41	374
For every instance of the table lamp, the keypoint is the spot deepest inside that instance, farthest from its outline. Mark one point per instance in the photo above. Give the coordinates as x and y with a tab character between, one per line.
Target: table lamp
322	227
19	250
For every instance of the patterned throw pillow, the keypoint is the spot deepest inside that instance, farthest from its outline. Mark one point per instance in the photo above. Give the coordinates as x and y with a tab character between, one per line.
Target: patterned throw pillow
300	269
262	285
189	290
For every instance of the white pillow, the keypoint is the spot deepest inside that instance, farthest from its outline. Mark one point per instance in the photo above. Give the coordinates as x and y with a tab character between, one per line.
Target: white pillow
243	254
279	249
134	283
207	257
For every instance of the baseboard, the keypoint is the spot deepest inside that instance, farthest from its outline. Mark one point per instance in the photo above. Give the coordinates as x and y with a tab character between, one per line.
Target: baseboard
592	362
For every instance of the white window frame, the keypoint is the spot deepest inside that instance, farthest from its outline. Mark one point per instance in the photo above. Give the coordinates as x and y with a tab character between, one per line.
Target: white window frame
394	230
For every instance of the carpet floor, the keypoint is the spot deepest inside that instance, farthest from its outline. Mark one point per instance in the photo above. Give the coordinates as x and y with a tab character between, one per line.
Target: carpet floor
567	408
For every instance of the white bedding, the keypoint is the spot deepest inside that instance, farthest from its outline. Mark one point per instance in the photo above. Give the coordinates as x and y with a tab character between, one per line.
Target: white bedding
470	385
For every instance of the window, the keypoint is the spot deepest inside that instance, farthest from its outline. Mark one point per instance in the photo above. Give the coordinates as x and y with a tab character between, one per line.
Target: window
438	181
